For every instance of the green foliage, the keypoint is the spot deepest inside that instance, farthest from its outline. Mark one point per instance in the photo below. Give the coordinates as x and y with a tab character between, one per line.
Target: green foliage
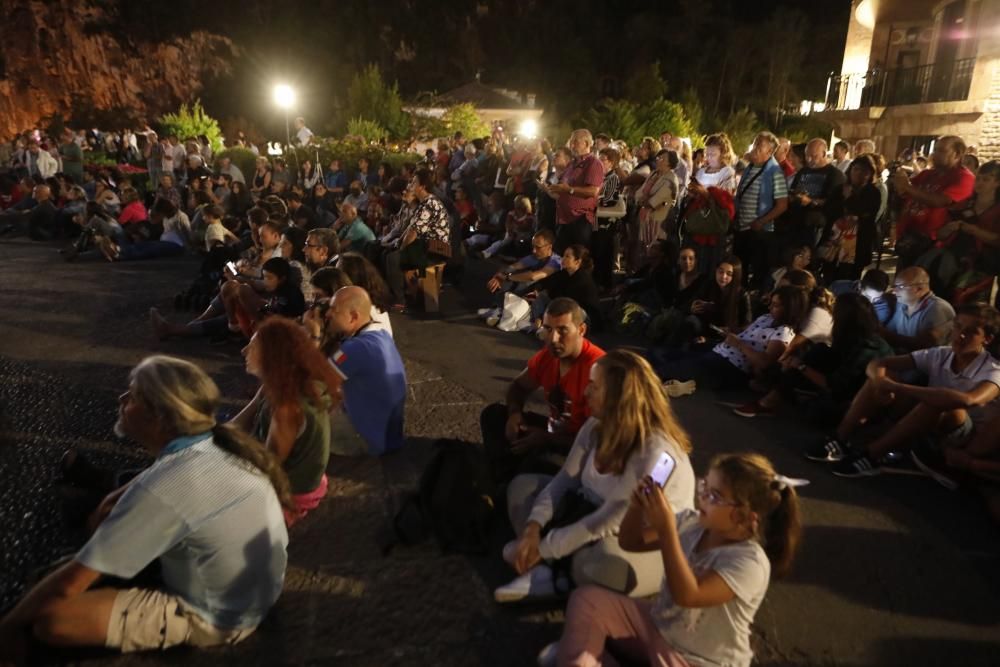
631	122
463	118
645	84
349	151
800	129
366	129
370	97
741	126
242	158
693	109
190	121
99	159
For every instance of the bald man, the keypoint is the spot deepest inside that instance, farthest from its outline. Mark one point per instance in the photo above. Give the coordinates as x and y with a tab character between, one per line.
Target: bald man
813	191
922	318
38	222
374	379
576	193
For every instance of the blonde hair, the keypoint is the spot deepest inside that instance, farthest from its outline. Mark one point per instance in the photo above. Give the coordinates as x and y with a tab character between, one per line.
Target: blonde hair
185	398
523	202
721	141
635	407
753	482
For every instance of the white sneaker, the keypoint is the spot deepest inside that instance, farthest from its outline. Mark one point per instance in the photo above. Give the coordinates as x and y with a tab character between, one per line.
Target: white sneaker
547	656
492	320
535	583
510	552
485	312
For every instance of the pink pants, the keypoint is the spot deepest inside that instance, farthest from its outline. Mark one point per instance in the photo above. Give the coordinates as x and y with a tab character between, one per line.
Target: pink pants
598	619
306	502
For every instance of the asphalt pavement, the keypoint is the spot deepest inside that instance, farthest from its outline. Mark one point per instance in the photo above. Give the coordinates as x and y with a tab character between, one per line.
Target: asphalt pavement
894	570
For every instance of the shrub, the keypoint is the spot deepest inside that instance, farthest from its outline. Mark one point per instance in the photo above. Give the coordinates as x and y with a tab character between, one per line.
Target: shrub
349	151
370	97
366	129
630	122
242	158
465	119
742	127
191	121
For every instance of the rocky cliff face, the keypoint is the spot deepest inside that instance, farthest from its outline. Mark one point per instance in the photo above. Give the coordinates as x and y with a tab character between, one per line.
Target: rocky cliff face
58	56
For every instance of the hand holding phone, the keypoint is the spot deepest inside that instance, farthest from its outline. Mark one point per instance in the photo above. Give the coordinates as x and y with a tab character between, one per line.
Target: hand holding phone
231	267
663	469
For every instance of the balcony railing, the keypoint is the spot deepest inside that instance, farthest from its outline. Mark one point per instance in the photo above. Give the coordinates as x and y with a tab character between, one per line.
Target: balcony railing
937	82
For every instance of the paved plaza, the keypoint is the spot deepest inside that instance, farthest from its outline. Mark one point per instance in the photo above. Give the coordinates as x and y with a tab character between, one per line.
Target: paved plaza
894	570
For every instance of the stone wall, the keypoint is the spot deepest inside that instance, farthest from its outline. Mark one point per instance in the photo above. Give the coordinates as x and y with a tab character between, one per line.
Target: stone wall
989	131
59	54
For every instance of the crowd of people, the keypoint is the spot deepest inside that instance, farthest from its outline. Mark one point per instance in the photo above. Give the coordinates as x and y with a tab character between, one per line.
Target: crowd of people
748	272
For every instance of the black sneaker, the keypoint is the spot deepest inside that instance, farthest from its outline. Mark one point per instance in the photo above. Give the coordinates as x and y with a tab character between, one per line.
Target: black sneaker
932	463
857	466
828	450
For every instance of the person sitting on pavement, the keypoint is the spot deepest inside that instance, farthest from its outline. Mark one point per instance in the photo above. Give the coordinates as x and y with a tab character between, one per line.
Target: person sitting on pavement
215	232
717	564
37	222
631	426
363	273
745	355
973	466
960	397
922	318
322	249
874	286
208	511
831	373
519	276
519	441
575	280
374	379
167	234
290	413
722	305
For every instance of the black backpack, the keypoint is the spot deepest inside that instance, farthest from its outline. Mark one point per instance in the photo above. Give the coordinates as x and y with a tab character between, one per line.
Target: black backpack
454	502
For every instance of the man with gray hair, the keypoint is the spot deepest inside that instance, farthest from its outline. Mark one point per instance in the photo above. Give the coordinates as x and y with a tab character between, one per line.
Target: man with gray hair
208	510
864	147
576	193
842	155
761	198
813	190
351	230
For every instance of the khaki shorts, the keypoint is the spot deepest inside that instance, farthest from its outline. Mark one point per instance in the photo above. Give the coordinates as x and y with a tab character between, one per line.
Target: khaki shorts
144	619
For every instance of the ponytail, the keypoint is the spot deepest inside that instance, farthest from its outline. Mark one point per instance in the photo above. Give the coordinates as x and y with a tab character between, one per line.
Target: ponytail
754	483
233	440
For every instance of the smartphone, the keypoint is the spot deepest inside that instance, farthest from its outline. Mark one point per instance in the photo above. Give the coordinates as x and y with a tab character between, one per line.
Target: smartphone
717	329
663	469
231	266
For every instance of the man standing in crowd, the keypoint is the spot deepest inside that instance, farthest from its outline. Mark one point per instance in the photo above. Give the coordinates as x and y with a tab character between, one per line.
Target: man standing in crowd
781	154
520	441
842	155
374	379
302	133
72	157
227	167
207	511
927	198
813	189
576	194
864	147
761	198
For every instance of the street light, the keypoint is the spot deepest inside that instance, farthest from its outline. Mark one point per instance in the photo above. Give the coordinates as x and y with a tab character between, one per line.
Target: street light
528	129
284	97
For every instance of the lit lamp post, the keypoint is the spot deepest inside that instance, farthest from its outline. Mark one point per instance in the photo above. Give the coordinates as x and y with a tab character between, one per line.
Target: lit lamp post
284	97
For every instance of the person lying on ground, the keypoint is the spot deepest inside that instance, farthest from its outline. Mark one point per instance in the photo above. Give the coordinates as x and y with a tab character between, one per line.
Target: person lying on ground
575	515
519	441
208	510
167	234
960	398
717	564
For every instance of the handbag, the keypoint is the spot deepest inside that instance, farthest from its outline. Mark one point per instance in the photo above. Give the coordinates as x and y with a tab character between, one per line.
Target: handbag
707	220
516	313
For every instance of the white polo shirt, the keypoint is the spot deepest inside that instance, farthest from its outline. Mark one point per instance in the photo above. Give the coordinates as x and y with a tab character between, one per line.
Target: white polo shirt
936	363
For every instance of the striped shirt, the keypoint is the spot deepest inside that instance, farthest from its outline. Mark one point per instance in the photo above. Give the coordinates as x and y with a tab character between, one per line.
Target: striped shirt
748	199
215	525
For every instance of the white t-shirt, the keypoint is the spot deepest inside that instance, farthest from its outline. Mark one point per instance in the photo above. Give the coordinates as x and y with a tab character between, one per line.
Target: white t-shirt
818	327
380	321
217	233
719	635
936	363
725	178
757	335
304	135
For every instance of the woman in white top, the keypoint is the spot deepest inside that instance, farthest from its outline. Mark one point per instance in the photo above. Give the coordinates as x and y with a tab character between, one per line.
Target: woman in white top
717	171
575	515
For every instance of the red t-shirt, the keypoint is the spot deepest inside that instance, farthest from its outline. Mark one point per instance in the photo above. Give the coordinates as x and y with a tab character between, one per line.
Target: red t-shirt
569	401
585	172
133	212
917	217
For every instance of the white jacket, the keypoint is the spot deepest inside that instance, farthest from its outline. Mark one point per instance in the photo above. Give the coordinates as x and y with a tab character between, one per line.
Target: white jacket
48	166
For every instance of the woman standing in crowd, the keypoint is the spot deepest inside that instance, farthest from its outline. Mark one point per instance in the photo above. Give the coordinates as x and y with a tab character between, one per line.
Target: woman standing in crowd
717	563
576	514
290	412
655	199
850	239
717	171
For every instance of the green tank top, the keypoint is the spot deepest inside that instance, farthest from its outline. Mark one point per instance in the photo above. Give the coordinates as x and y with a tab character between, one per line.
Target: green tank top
306	463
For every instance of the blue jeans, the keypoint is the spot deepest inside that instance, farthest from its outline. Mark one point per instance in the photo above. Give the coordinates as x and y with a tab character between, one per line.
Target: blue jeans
148	250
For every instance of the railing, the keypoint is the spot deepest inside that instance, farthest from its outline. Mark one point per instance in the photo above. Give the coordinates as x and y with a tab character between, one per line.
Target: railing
937	82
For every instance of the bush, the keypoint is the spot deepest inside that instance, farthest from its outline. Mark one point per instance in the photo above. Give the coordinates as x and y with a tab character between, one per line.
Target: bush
800	129
370	97
242	158
631	122
349	151
465	119
366	129
191	121
742	127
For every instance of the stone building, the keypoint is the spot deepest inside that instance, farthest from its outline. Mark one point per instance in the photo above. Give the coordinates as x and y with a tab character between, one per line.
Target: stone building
914	70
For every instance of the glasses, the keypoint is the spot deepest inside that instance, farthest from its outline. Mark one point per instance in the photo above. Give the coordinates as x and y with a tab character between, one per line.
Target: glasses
907	286
313	245
712	496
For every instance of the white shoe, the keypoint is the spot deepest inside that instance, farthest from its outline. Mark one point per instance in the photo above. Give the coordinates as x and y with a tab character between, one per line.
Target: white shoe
547	656
675	388
492	320
510	552
485	312
535	583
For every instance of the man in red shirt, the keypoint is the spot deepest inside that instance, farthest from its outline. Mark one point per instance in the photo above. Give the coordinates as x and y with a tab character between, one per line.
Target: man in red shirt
518	441
576	193
929	195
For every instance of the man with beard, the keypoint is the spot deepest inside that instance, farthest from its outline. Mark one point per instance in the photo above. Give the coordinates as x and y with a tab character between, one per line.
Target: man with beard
322	248
519	441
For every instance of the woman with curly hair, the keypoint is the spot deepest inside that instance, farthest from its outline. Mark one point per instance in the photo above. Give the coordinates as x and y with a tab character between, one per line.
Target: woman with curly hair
363	273
291	411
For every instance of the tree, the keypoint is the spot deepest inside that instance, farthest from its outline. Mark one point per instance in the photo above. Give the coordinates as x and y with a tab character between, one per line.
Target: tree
370	97
665	116
646	84
464	118
367	129
192	121
616	118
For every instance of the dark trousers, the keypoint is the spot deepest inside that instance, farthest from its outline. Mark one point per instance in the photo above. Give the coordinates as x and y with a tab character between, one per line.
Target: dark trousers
505	464
571	233
755	250
705	367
